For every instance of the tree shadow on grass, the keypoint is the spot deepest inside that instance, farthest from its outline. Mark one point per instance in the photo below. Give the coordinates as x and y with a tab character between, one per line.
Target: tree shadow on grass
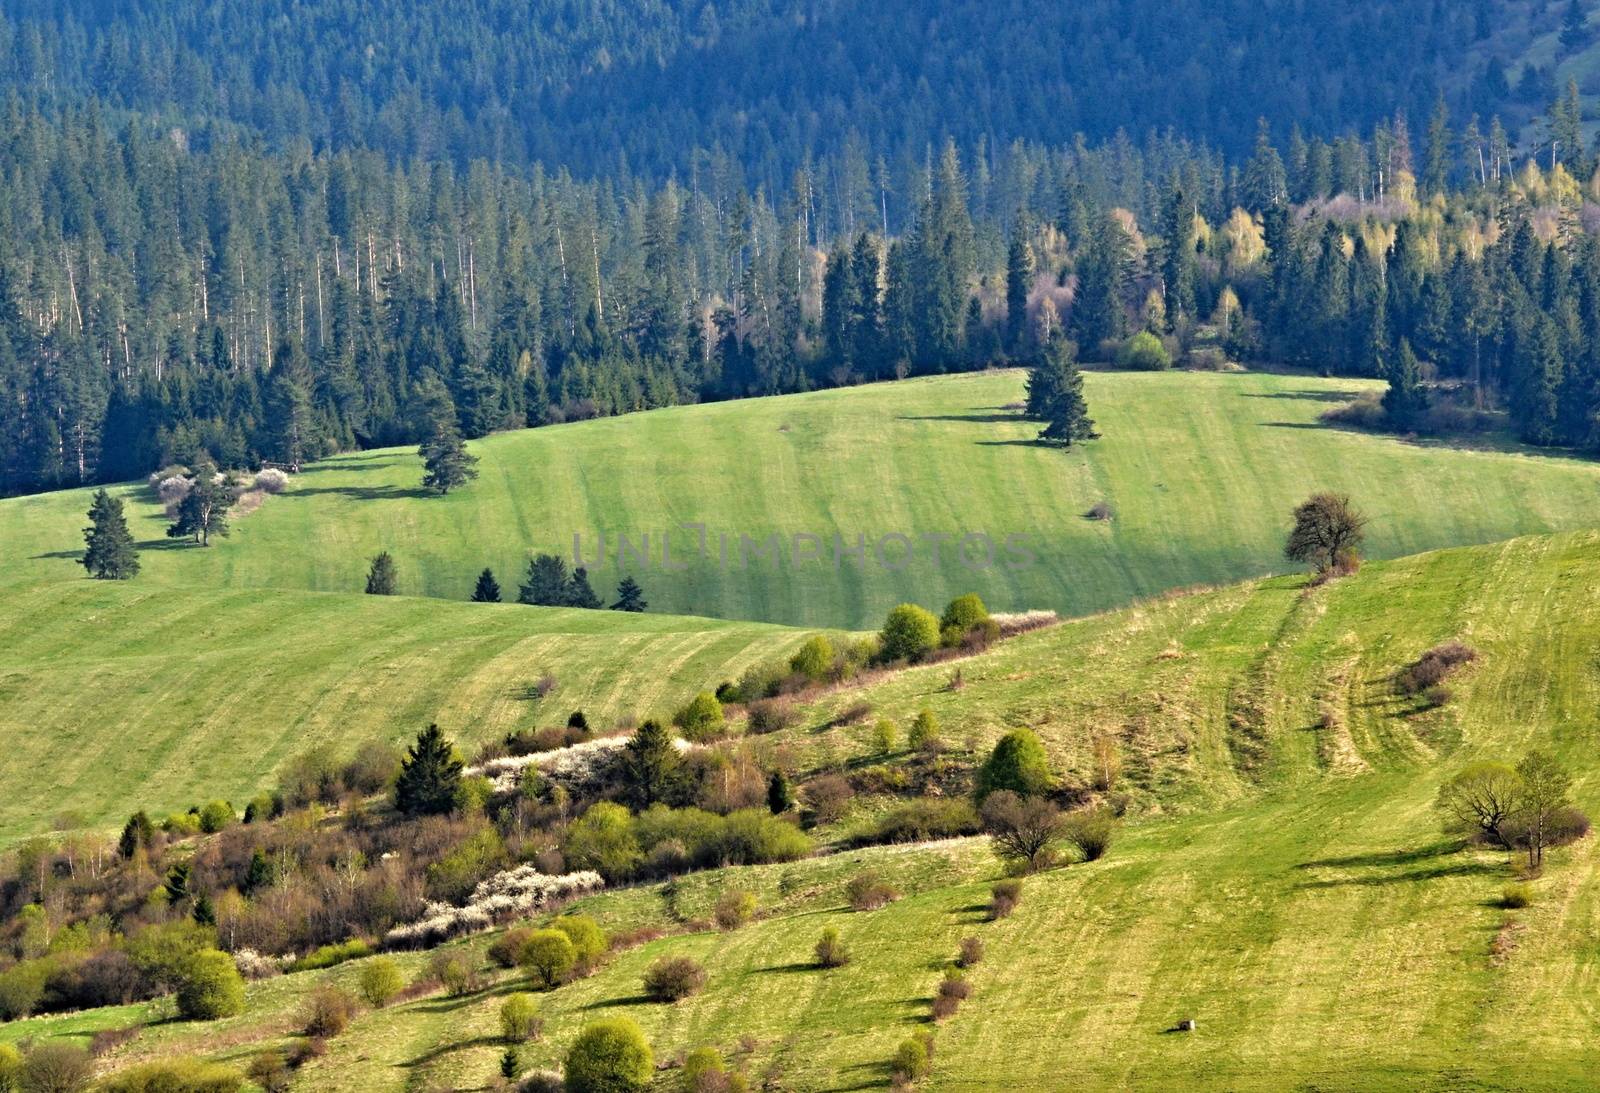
789	969
168	544
74	555
363	493
630	1000
447	1049
1387	857
996	416
1308	394
873	1076
1438	872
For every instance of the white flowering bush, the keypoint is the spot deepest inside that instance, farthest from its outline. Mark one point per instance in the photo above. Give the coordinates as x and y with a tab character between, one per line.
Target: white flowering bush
254	965
514	893
172	491
1021	622
580	767
272	480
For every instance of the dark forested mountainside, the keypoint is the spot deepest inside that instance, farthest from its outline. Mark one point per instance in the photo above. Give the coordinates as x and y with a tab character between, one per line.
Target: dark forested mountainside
163	303
609	88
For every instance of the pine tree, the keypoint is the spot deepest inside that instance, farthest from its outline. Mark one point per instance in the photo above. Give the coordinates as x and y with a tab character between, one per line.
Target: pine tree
547	583
1178	257
446	463
1020	271
1436	158
579	593
1266	183
203	512
290	422
487	589
1574	27
109	552
138	831
652	767
630	597
381	576
1405	401
1065	413
430	774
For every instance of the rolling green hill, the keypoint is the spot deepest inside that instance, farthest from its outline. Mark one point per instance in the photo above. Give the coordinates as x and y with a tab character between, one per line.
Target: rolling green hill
118	696
1200	470
217	664
1311	918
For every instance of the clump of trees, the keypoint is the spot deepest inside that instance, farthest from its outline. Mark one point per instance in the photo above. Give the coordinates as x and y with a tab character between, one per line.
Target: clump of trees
1525	807
548	584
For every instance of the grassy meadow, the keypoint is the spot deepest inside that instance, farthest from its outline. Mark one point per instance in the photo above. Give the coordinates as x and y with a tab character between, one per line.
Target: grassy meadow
1282	878
1200	470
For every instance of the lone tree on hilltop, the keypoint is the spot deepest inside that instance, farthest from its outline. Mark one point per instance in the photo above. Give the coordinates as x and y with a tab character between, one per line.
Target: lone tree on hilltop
487	589
109	553
381	577
547	581
630	597
1328	531
430	774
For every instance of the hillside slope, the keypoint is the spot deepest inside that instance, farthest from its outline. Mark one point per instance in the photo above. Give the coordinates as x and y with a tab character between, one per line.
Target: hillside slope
1200	471
1315	922
121	696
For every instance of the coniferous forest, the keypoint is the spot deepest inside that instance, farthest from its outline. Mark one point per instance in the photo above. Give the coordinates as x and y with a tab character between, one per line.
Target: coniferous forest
277	262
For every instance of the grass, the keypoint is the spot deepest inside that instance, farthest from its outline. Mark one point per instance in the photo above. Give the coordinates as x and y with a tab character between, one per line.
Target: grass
1296	898
116	696
1200	470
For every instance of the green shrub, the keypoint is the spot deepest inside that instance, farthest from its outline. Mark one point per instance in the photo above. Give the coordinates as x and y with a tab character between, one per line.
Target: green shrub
705	1071
734	908
270	1070
1145	352
610	1056
548	956
701	719
603	839
328	1012
216	816
831	950
927	818
588	940
924	734
380	981
1018	763
909	633
814	660
329	956
911	1060
673	978
10	1068
884	736
961	615
174	1076
1090	831
519	1019
21	988
753	836
456	971
1516	896
210	987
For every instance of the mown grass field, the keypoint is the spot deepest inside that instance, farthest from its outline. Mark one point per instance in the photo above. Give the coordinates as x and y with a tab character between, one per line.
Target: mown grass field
1201	471
116	696
1291	892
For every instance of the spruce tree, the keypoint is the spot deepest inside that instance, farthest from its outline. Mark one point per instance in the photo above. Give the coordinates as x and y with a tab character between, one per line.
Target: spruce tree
430	774
652	767
547	583
780	794
1065	413
579	592
109	553
381	577
630	597
445	460
1020	271
1178	257
1405	400
487	589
